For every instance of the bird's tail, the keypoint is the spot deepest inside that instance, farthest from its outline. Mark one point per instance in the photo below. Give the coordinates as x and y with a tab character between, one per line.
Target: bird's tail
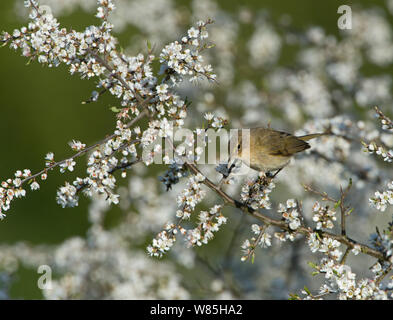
311	136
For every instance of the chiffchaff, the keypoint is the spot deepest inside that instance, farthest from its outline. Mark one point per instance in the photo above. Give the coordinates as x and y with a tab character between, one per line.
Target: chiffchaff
265	149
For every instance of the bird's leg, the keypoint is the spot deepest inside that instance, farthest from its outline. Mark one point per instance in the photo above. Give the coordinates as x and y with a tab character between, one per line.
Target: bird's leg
276	173
229	170
226	174
269	175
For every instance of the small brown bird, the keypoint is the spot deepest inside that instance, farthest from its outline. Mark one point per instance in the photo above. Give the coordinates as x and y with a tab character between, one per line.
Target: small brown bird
269	149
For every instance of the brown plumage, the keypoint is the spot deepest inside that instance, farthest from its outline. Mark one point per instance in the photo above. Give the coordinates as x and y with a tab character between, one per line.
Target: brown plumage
270	149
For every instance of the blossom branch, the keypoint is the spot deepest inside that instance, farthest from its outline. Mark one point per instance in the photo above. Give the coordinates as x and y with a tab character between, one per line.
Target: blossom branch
386	122
282	224
85	150
384	273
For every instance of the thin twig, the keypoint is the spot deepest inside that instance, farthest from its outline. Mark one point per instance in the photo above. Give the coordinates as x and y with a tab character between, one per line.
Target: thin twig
141	101
253	246
280	223
345	255
323	195
343	208
82	152
384	119
235	233
384	274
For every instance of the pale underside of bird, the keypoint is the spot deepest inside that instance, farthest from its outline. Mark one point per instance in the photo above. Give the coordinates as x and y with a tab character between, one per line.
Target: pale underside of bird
265	149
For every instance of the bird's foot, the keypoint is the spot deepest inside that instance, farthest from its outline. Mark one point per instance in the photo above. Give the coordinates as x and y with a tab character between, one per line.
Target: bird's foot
271	175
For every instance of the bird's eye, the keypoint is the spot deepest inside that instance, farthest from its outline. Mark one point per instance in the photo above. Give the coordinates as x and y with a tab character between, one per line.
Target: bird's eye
238	146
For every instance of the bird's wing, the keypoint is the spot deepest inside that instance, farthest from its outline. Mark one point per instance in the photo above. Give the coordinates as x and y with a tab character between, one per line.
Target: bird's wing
283	144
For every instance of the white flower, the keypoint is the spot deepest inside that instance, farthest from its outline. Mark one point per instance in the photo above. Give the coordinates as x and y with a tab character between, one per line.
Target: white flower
67	196
162	89
50	158
34	186
294	224
255	228
209	116
193	33
18	174
26	173
67	164
291	203
376	268
356	249
113	198
265	240
77	145
17	182
281	208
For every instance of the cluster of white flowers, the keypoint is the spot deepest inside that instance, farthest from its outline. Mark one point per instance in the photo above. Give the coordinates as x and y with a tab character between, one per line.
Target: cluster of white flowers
67	196
264	45
11	189
290	214
67	164
60	7
158	21
334	146
372	32
43	39
387	124
152	138
170	105
247	249
315	101
183	57
164	241
336	157
373	90
104	8
262	239
130	79
326	245
256	193
100	166
381	200
372	147
323	216
190	196
178	60
340	280
129	12
209	222
100	266
214	121
187	201
77	145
